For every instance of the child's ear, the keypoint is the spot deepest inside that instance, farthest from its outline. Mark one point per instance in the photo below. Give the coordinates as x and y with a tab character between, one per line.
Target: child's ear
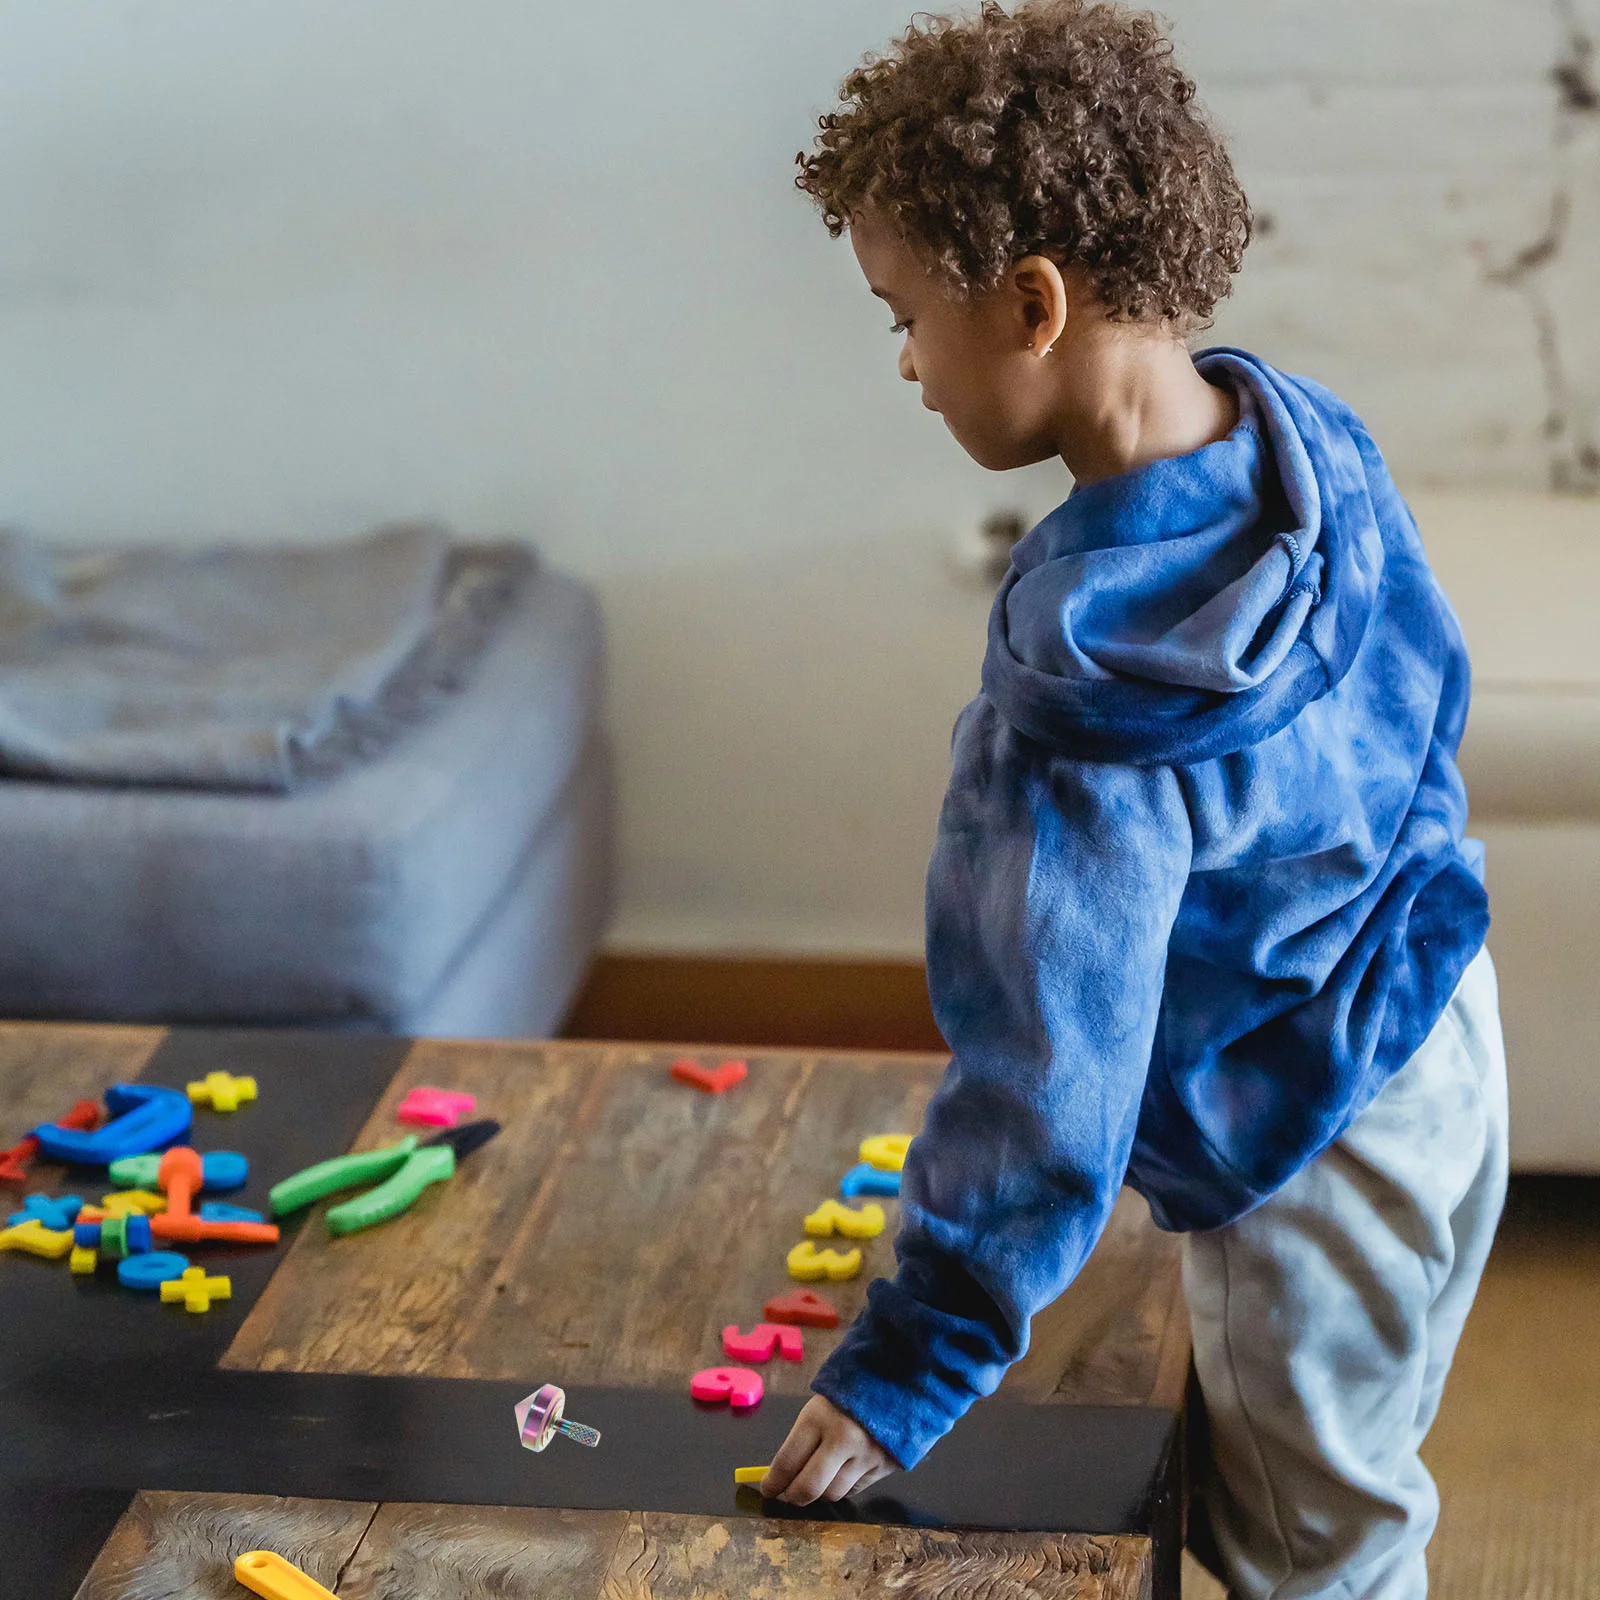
1045	298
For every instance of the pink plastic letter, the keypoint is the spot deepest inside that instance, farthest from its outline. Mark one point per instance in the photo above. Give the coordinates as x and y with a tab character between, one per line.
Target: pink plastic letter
737	1385
757	1345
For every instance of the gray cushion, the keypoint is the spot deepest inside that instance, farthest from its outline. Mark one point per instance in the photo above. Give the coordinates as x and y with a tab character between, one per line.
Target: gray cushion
521	971
340	903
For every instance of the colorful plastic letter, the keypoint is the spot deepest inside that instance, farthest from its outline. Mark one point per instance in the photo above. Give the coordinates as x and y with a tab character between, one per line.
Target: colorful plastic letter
180	1175
222	1091
737	1385
54	1214
808	1264
144	1116
886	1151
196	1230
804	1307
831	1217
81	1260
750	1474
267	1574
37	1240
687	1070
866	1179
151	1271
435	1108
135	1172
85	1114
221	1171
124	1202
195	1289
221	1211
761	1341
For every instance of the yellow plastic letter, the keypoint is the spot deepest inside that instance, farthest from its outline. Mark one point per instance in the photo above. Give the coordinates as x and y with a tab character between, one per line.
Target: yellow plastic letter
809	1264
831	1217
886	1152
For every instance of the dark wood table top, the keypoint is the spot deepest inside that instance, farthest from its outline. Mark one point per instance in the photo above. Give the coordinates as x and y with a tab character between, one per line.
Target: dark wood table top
617	1223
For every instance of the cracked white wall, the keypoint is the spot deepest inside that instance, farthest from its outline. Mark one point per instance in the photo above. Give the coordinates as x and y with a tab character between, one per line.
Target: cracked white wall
1405	158
278	268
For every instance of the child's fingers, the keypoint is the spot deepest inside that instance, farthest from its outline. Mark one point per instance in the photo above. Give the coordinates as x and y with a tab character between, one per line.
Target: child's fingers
846	1480
792	1455
815	1476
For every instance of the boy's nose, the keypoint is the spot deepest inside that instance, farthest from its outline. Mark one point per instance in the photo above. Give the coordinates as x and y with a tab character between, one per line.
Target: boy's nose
908	370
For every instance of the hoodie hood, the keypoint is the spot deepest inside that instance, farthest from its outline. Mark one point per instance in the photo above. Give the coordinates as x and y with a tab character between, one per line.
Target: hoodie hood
1195	606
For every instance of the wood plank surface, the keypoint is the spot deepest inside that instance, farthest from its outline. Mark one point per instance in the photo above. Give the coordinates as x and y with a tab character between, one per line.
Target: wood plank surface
183	1546
391	1300
606	1236
621	1219
702	1558
44	1067
484	1553
171	1546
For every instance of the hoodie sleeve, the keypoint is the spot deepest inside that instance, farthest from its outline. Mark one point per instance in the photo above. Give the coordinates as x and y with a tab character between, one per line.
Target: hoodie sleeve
1052	892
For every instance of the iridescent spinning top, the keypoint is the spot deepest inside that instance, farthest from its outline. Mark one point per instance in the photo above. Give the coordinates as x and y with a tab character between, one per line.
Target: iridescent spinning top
539	1420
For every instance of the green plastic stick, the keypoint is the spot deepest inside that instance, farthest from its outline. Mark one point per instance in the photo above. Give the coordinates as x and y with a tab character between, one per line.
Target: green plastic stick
433	1164
339	1173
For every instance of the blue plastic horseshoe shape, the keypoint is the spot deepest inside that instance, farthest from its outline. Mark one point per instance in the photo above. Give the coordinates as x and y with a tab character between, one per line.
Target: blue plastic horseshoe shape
144	1117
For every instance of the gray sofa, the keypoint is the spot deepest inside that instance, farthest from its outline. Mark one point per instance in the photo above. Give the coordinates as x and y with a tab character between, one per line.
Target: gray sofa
457	884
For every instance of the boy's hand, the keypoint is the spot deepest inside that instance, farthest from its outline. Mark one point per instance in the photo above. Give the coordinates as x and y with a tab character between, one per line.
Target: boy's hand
826	1455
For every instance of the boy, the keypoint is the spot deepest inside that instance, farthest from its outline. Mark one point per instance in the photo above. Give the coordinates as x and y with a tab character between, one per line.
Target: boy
1201	917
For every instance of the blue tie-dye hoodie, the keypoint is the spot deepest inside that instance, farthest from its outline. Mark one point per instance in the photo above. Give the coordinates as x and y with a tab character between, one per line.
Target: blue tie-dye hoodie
1199	886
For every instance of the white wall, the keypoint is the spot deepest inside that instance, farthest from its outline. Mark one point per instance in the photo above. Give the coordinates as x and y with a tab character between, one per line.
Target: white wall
278	270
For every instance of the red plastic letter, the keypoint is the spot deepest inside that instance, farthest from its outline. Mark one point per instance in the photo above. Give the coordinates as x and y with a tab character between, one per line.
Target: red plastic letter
687	1070
804	1306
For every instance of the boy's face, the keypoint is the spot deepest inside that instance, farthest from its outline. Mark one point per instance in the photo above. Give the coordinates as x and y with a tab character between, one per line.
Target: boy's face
979	362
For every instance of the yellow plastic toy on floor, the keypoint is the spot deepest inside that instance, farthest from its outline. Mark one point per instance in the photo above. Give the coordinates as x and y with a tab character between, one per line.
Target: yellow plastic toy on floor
267	1574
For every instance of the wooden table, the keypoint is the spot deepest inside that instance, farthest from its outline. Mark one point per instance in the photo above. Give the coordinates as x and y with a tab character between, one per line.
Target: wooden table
605	1238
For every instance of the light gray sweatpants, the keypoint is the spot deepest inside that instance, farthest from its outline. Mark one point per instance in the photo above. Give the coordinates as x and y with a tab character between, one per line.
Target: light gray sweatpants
1326	1319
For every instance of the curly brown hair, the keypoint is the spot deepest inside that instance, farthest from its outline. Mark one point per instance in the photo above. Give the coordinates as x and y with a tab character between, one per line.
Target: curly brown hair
1065	129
